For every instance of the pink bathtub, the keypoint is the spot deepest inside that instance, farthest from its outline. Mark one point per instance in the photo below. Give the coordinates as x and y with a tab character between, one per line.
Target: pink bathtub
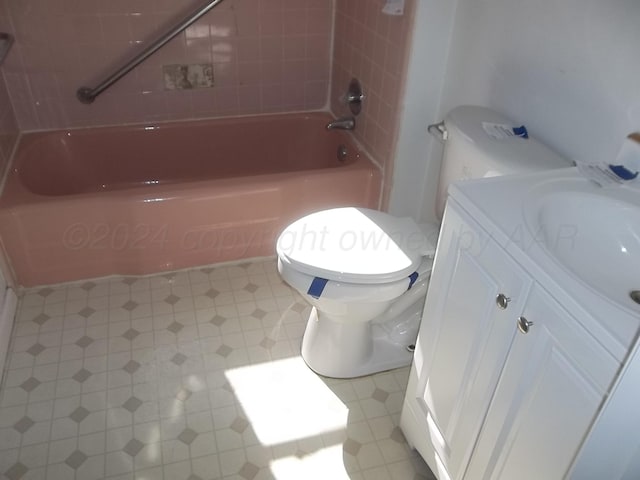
137	200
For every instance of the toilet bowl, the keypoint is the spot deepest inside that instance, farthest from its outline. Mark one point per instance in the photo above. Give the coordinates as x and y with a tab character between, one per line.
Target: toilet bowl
365	273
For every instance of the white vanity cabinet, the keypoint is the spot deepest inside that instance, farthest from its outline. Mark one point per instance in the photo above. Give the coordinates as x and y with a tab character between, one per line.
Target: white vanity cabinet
553	383
506	383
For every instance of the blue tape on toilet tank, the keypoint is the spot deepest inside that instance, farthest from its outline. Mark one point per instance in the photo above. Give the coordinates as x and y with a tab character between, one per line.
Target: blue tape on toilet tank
317	286
412	279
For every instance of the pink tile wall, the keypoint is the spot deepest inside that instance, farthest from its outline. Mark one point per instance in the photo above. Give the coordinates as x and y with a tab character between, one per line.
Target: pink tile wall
8	124
372	47
268	56
8	128
8	137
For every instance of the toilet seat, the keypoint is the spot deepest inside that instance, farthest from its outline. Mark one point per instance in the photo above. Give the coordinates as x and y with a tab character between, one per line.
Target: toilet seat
354	245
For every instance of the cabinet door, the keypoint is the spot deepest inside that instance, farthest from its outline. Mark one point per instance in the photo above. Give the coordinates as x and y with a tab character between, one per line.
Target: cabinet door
464	339
554	381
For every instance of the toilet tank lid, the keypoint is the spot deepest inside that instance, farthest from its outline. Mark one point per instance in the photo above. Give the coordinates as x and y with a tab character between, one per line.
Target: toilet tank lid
357	245
507	155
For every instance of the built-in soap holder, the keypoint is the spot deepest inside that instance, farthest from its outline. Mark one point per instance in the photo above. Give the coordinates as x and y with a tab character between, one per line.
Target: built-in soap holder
6	41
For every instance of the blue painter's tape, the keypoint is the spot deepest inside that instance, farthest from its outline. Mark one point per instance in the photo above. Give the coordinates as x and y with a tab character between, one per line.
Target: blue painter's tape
317	286
521	131
412	279
623	172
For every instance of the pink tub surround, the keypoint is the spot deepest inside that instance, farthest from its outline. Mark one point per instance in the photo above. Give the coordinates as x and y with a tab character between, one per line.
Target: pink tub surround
138	200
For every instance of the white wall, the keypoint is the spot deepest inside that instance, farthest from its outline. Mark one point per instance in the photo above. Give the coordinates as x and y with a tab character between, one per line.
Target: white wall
414	180
568	69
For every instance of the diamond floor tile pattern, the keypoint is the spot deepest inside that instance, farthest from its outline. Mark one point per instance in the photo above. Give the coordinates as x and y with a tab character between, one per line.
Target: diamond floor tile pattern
76	459
190	375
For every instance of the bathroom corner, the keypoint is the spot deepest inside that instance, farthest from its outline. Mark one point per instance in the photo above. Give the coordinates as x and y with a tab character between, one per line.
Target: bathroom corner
8	124
8	138
9	133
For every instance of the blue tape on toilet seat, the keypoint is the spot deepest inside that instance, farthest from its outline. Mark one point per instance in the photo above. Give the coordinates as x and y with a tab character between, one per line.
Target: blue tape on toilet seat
412	279
317	286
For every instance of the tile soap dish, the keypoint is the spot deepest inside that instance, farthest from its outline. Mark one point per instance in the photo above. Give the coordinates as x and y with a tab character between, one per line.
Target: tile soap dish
5	44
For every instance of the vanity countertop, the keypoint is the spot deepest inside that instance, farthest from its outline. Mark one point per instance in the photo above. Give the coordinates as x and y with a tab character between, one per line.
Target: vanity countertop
506	208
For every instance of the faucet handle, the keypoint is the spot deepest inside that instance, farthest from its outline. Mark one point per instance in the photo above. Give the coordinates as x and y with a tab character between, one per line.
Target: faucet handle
354	96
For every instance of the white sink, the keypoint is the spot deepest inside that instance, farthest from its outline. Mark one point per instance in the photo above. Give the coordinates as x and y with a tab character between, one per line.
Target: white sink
592	232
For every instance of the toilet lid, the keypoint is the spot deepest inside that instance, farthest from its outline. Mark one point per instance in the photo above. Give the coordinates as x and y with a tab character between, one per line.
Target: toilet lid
355	245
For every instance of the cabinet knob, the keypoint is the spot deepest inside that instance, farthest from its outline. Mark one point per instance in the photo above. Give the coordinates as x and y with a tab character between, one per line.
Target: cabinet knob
502	301
524	325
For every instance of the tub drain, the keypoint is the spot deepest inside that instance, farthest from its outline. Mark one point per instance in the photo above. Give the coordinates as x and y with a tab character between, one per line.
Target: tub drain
412	348
342	153
635	296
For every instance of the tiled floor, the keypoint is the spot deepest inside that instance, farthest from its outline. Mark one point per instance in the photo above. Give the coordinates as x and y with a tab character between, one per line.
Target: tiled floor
192	375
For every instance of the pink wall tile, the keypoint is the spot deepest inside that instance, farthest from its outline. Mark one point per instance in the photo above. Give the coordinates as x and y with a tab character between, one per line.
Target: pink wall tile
8	127
294	48
8	123
249	73
315	47
227	99
295	21
272	98
271	73
271	23
372	47
64	44
249	99
225	74
314	94
248	49
294	97
272	47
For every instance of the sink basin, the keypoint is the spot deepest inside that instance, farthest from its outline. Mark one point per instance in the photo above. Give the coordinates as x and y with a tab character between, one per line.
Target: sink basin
592	232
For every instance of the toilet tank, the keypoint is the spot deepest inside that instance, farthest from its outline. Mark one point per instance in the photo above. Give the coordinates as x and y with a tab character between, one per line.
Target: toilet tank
472	150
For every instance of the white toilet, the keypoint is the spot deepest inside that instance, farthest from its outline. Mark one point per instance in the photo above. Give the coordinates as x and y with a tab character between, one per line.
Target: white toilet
366	272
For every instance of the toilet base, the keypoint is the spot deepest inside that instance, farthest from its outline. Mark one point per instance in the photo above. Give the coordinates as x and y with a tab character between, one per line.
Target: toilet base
347	350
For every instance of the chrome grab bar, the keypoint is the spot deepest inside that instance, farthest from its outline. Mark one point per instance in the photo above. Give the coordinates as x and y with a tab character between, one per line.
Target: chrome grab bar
88	94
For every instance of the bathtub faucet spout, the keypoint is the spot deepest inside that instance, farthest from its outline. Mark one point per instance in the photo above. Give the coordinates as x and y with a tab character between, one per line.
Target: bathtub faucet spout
344	123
